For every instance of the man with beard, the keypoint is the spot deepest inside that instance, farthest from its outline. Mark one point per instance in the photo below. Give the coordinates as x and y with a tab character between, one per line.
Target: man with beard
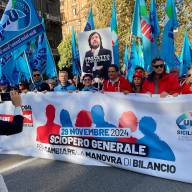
98	59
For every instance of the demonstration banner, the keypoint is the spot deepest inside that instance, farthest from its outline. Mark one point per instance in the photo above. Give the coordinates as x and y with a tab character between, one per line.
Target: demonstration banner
140	133
95	51
19	23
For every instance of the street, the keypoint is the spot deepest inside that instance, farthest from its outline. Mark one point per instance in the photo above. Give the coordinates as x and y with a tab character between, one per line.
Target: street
26	174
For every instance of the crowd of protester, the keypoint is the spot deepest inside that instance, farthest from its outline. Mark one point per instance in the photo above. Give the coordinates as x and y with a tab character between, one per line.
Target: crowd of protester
157	82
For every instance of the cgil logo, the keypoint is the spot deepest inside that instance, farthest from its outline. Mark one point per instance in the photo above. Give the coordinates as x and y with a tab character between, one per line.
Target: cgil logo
184	121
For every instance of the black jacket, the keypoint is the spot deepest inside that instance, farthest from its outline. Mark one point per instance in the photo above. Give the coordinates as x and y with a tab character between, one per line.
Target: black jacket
10	128
104	59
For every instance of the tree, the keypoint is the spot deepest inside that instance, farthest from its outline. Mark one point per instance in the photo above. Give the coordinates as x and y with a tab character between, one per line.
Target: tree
65	53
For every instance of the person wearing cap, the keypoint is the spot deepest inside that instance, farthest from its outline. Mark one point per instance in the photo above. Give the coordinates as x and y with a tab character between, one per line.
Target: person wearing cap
4	86
160	82
16	126
116	82
137	82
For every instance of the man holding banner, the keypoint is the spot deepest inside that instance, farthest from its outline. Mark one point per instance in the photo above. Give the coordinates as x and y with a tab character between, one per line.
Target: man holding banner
16	126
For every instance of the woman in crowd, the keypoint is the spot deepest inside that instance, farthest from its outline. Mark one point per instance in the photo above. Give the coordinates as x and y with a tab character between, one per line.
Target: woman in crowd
137	82
52	84
186	88
23	87
77	82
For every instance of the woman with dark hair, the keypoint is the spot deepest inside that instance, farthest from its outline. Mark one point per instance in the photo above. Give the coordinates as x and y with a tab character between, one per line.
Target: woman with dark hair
186	88
23	87
137	82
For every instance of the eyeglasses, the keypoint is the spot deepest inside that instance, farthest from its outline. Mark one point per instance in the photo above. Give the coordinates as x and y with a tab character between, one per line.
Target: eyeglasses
189	75
36	75
158	66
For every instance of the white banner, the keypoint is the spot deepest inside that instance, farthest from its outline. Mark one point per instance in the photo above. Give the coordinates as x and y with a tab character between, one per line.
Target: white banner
135	132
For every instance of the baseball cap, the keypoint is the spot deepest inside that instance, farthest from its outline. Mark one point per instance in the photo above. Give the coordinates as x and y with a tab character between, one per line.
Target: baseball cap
138	74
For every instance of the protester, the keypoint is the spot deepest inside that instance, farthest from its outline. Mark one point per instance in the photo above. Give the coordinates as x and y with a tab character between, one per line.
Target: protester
64	84
159	82
4	86
87	81
116	82
187	85
23	87
52	84
16	126
77	82
38	84
137	82
140	70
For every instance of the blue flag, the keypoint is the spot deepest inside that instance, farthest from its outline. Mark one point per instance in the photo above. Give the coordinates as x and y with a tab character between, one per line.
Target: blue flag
40	56
147	35
90	22
155	28
22	67
9	69
136	24
76	69
115	41
185	57
19	24
134	60
140	55
171	23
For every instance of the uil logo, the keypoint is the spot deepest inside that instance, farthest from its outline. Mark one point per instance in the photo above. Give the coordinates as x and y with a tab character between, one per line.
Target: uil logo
184	121
16	16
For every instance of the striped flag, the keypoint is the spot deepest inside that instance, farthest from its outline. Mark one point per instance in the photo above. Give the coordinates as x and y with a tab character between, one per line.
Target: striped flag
115	41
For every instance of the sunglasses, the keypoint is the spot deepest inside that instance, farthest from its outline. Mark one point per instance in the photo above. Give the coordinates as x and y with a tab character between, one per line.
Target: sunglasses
189	75
111	71
36	75
158	66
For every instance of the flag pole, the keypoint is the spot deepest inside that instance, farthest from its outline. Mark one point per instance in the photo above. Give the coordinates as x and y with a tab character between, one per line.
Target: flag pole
29	68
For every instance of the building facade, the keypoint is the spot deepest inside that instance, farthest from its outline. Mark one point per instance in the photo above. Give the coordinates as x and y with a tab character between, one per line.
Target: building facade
50	11
74	13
